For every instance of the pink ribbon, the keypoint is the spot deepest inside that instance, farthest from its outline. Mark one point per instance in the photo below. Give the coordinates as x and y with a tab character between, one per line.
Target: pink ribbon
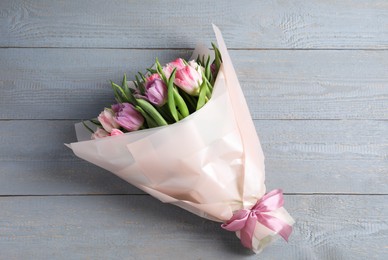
245	220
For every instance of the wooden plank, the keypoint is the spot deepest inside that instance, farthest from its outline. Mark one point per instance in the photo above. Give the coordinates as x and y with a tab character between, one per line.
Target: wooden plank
170	24
51	83
73	83
140	227
302	156
55	177
326	155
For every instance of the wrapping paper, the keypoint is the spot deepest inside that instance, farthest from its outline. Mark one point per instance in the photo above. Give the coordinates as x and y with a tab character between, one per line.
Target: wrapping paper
210	163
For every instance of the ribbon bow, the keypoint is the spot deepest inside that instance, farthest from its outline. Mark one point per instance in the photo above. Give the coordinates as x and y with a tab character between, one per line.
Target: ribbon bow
245	220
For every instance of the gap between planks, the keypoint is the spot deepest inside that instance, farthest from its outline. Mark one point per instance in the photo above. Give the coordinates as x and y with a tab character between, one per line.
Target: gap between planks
258	119
134	194
191	49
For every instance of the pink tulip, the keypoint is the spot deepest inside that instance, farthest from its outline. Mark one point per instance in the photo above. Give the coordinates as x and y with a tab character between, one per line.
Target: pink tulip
128	117
116	132
169	67
100	133
189	78
106	118
197	67
152	77
156	90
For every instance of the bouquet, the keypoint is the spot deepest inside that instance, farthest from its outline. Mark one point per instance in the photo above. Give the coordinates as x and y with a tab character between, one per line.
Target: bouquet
183	133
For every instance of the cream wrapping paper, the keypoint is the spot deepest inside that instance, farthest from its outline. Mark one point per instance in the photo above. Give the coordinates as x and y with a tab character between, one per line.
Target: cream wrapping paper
210	163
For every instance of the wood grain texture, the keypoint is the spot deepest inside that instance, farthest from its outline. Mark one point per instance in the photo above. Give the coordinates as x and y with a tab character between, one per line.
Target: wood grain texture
302	156
314	74
247	24
126	227
73	83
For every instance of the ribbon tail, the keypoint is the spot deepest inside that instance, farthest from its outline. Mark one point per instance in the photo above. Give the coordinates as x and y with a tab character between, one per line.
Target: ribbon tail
286	231
276	225
237	222
246	233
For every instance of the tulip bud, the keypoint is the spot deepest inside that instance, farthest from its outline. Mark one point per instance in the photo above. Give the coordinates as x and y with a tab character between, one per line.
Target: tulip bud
128	117
152	77
100	133
178	64
116	107
116	132
156	91
106	118
197	67
189	78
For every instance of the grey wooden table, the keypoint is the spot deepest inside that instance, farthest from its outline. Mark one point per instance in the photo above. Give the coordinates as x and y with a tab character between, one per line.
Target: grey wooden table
315	75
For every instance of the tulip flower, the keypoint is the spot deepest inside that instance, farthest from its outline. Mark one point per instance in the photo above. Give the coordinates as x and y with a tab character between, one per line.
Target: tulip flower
116	132
152	77
169	67
189	78
156	90
128	117
100	133
106	118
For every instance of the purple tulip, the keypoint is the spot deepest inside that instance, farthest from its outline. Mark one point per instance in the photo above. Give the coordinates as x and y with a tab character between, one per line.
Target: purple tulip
156	91
128	117
116	107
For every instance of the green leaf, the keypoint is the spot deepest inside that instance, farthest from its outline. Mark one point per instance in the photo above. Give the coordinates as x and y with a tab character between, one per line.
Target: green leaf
210	86
87	127
142	89
150	122
142	76
207	68
202	96
191	101
139	85
180	103
125	86
137	80
151	71
95	122
130	98
165	113
159	69
170	96
198	60
201	60
180	116
218	58
152	112
117	92
208	92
